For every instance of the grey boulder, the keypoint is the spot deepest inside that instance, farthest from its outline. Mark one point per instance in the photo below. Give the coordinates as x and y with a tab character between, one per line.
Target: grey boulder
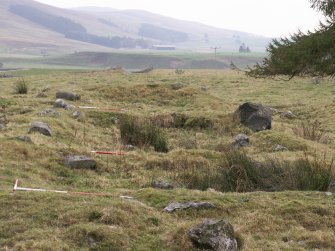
254	116
41	128
217	235
80	161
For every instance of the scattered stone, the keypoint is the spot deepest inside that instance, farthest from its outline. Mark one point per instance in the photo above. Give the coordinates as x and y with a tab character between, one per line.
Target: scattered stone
77	114
254	116
60	103
287	115
67	95
129	147
80	161
2	126
329	193
69	107
215	235
177	86
41	95
241	140
40	127
173	206
279	148
162	184
245	200
25	138
49	112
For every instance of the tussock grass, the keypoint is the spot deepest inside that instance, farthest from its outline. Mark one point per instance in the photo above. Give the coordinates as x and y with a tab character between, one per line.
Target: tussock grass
21	87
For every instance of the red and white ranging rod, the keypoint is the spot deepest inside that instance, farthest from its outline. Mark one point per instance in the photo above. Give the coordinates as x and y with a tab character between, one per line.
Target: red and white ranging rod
17	188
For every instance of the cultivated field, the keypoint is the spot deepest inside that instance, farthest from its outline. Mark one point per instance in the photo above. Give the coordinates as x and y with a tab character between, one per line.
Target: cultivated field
275	200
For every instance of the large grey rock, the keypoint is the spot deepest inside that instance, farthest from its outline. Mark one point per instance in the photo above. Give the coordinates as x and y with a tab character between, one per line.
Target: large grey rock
254	116
80	161
215	235
67	95
241	140
173	206
40	127
162	184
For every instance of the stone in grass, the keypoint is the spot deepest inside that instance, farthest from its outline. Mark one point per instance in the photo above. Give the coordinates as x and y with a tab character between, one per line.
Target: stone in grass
41	128
49	112
173	206
76	114
162	184
25	138
67	95
287	115
279	148
80	161
241	140
217	235
2	126
60	103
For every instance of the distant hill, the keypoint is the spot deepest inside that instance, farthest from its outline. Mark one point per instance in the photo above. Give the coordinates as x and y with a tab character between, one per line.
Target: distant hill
29	27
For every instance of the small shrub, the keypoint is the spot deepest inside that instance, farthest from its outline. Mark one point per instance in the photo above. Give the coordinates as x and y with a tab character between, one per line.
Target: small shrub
141	132
21	87
311	130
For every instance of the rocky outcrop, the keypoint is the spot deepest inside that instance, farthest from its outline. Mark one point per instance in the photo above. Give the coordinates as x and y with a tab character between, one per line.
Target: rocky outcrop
215	235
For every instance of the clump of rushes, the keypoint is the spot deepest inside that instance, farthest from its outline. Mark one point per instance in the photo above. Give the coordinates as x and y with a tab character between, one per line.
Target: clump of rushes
21	87
142	133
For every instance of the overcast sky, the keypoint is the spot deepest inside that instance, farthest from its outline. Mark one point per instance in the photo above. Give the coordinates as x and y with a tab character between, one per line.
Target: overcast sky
272	18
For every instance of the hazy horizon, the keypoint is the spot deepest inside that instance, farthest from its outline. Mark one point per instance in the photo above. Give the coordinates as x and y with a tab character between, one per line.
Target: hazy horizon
261	17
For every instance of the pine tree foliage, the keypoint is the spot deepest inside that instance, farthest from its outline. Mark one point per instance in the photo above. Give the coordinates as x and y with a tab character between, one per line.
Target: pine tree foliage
303	54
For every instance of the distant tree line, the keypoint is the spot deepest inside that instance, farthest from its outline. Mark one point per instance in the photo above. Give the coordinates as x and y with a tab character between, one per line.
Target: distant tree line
163	34
75	31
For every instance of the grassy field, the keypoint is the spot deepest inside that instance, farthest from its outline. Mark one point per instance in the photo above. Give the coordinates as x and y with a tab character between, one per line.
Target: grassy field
274	213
